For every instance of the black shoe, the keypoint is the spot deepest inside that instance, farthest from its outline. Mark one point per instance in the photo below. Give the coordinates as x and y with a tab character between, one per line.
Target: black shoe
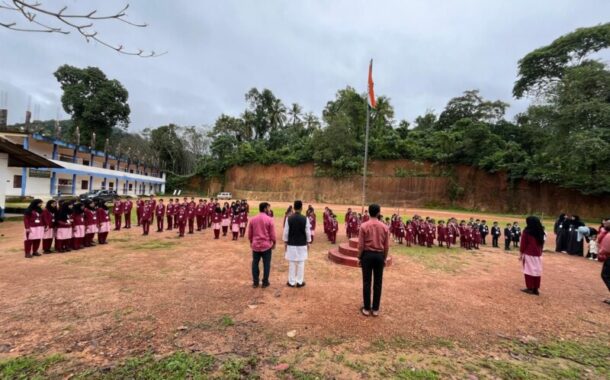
288	284
266	284
527	291
535	292
255	286
607	301
301	285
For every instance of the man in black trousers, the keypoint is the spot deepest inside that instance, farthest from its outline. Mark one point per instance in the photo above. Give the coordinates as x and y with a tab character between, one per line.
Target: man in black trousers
373	247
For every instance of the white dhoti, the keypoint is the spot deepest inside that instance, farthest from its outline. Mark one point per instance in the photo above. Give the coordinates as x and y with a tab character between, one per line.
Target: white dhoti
296	256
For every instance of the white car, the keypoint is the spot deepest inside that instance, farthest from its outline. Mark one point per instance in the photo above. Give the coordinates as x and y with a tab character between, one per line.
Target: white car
224	195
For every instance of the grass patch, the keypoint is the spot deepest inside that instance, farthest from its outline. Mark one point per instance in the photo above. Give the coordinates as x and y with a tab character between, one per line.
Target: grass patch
151	245
297	374
507	370
226	321
28	367
237	368
179	365
416	374
440	259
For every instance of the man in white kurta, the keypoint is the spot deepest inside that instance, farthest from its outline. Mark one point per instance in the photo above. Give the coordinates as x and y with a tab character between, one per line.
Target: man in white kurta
297	237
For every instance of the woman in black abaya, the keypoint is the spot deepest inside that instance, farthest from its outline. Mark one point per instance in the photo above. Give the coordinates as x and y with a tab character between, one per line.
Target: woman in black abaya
560	233
574	247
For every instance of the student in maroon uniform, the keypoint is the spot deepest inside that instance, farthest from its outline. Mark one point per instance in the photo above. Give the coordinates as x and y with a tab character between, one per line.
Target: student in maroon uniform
410	238
199	214
177	207
146	219
441	232
34	228
190	214
48	218
139	205
160	213
243	222
64	228
181	219
235	225
90	223
128	206
103	219
311	215
226	218
334	227
532	243
431	233
476	236
153	206
78	226
117	210
169	212
216	221
210	213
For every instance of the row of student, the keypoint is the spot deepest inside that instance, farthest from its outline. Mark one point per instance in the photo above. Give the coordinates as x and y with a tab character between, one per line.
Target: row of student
178	215
72	225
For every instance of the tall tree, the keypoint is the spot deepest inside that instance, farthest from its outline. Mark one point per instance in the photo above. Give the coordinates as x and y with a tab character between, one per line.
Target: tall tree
545	66
96	103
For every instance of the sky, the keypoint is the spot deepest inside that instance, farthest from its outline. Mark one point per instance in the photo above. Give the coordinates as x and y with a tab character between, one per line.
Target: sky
424	52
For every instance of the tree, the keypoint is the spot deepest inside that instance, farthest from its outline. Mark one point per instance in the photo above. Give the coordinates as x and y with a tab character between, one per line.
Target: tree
543	67
96	103
471	105
41	19
295	113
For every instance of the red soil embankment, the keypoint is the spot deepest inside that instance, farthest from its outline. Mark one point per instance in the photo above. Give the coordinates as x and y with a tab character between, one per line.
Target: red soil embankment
410	184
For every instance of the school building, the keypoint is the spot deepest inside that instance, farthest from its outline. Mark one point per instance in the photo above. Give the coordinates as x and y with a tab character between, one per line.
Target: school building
80	169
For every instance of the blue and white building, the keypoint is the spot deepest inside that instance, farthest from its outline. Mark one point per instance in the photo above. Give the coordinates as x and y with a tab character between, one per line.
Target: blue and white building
81	170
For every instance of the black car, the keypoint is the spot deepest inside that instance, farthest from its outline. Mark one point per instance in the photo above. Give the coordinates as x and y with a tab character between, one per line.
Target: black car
105	195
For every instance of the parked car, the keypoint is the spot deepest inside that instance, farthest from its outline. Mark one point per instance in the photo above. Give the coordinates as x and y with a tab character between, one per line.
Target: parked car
224	195
105	195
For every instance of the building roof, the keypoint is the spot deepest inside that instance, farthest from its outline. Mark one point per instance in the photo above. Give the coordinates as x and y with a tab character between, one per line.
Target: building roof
72	168
19	157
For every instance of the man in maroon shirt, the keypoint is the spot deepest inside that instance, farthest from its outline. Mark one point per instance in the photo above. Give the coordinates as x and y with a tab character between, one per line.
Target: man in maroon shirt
373	247
261	233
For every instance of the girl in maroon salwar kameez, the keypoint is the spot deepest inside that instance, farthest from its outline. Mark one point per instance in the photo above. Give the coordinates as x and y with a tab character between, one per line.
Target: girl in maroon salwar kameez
532	241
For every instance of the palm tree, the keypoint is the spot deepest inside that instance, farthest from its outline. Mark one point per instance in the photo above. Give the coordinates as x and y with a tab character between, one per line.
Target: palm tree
295	113
311	121
277	114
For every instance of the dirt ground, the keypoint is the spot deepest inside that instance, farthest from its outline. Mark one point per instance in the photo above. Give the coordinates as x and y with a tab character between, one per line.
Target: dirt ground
160	294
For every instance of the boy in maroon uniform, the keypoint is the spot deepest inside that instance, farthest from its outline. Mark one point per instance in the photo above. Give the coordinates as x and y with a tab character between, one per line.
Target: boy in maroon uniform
311	215
127	212
441	232
476	236
147	215
139	205
199	214
180	219
169	212
117	210
210	212
410	238
334	227
160	213
177	207
431	233
190	214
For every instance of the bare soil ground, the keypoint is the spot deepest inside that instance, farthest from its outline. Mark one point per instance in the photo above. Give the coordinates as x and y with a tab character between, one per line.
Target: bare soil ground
449	312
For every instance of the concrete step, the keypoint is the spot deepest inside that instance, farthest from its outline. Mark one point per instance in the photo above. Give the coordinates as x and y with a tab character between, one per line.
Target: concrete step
337	257
353	242
347	250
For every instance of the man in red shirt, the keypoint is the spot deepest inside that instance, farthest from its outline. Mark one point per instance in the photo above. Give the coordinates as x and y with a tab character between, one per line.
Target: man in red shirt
373	247
261	233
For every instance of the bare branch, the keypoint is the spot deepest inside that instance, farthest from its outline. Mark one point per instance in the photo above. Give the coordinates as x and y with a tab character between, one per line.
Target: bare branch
30	10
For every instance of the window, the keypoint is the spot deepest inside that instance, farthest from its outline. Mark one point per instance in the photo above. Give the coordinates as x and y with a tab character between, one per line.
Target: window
17	182
86	162
111	185
131	171
111	167
84	185
130	186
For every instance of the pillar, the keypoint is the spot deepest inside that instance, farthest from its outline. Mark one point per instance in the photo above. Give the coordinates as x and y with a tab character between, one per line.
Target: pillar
24	171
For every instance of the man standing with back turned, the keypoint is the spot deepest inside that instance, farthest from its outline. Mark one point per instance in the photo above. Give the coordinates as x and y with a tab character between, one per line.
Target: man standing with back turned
297	237
261	233
373	247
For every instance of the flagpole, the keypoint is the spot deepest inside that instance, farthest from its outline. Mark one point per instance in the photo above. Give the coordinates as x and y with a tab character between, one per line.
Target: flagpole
366	150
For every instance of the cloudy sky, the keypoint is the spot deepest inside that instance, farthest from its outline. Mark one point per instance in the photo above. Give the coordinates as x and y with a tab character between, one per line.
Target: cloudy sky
425	53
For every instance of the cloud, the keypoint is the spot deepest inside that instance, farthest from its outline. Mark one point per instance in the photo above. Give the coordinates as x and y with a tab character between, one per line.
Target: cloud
425	53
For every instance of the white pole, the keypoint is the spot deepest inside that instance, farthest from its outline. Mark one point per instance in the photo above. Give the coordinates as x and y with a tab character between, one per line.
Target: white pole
366	152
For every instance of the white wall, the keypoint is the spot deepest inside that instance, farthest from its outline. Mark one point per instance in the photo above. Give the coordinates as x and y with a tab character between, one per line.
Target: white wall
3	180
